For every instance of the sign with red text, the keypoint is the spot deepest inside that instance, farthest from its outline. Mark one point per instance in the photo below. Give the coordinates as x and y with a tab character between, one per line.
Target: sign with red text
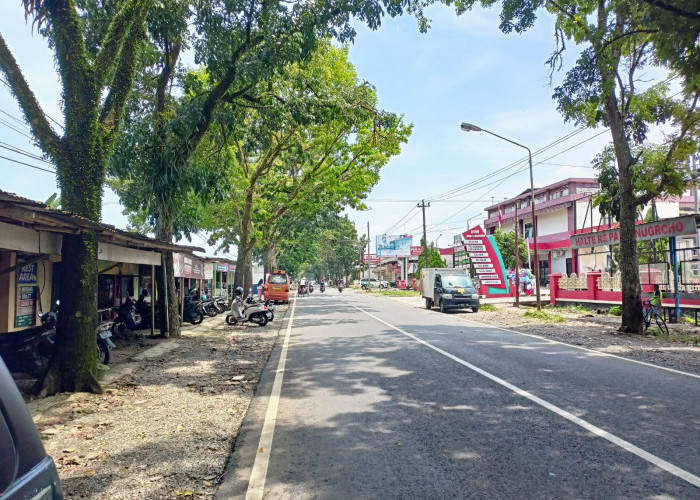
486	260
416	250
649	231
371	258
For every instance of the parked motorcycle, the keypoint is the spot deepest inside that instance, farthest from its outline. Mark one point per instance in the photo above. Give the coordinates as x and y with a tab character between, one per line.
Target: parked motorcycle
270	312
30	350
104	341
209	307
323	287
220	303
255	312
127	319
193	310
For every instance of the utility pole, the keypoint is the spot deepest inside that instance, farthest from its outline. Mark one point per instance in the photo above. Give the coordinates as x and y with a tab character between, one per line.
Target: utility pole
423	205
369	260
517	258
695	196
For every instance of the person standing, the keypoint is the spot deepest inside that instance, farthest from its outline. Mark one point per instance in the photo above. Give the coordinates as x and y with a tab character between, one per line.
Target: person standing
261	288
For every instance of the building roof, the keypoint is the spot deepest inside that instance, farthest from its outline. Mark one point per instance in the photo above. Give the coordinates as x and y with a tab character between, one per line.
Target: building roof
35	215
549	187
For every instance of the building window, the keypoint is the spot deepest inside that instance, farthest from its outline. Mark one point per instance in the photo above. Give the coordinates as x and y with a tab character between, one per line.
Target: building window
527	230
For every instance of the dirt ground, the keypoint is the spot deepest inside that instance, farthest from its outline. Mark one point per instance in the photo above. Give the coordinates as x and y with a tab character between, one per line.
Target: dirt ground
166	427
166	424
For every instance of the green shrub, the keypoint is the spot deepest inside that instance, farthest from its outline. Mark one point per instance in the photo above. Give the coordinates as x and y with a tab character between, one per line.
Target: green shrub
544	316
616	311
578	308
488	307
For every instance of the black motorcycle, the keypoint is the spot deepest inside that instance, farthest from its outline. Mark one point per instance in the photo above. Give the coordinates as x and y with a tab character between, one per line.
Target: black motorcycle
127	319
29	351
322	287
194	312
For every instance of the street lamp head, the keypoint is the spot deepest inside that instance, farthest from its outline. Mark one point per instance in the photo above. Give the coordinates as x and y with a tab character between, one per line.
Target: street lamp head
468	127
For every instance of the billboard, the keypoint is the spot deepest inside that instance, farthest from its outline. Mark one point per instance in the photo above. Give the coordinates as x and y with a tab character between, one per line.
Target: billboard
394	246
486	259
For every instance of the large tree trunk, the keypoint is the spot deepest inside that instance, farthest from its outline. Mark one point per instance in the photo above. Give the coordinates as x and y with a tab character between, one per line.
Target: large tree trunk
631	289
270	260
244	270
74	364
163	232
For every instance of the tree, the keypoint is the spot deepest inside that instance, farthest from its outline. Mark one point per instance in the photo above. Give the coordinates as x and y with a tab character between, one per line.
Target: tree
324	247
506	245
434	259
96	70
314	142
619	40
241	44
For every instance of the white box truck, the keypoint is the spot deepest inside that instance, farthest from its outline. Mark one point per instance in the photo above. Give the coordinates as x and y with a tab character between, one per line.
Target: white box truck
448	288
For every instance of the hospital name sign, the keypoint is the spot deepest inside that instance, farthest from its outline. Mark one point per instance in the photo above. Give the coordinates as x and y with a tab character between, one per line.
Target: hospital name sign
650	231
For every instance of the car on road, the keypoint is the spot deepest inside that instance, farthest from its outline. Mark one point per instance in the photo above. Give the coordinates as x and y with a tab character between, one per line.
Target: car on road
373	283
26	471
277	286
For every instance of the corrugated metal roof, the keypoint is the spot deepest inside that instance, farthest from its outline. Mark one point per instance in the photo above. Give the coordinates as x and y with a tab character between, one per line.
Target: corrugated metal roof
36	215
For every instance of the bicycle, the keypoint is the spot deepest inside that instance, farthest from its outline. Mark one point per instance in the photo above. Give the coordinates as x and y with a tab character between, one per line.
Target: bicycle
649	314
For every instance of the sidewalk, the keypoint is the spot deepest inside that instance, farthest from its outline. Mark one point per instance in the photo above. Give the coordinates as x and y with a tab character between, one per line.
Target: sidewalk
165	426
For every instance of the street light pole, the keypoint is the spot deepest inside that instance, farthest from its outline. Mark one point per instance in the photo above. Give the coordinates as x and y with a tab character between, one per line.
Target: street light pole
468	127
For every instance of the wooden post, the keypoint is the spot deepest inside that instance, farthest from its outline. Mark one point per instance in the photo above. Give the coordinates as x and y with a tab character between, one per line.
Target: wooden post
153	299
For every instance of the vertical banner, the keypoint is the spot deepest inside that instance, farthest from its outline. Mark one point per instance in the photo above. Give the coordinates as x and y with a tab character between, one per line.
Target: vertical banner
487	261
25	309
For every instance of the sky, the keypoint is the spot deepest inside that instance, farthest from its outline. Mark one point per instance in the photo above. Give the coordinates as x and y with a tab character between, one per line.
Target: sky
463	70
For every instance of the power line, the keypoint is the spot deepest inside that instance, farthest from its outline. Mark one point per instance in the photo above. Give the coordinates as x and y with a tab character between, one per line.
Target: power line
23	152
12	127
43	112
400	220
27	164
514	164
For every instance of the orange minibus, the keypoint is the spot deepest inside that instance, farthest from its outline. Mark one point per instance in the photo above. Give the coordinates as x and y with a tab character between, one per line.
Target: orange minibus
277	286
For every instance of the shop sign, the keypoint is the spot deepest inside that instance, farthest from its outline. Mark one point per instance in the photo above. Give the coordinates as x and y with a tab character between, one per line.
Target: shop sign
417	250
25	309
187	266
222	267
371	258
645	232
208	270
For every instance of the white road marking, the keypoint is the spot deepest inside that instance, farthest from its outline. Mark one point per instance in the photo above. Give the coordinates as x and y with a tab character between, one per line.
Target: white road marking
626	445
458	319
256	485
601	353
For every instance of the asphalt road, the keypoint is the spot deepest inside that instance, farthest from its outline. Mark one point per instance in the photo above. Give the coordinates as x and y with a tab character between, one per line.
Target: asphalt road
365	397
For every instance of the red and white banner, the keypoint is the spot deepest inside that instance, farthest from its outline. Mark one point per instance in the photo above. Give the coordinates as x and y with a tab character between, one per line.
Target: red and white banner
371	258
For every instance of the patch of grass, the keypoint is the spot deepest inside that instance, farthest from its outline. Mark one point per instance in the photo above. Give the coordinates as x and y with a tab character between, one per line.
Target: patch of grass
544	316
615	311
400	293
580	309
488	307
